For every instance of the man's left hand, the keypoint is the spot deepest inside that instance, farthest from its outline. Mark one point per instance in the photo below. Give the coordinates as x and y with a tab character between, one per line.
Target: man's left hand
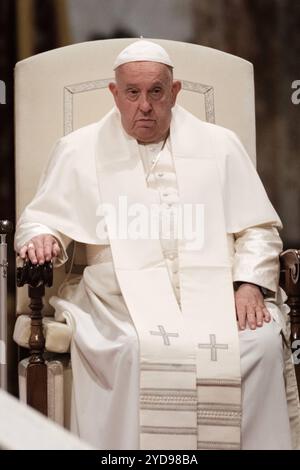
250	306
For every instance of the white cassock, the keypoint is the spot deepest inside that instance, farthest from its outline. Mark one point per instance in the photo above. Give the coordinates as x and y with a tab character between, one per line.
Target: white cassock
157	358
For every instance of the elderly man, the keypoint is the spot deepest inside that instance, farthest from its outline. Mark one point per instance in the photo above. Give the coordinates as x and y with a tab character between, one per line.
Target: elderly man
174	346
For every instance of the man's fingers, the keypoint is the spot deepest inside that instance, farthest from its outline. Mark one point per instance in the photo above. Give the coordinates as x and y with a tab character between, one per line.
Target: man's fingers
23	252
48	244
249	297
55	249
251	317
40	249
241	315
259	315
31	252
51	248
267	315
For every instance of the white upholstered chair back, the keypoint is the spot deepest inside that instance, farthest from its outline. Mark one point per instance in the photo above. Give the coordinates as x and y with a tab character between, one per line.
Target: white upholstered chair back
61	90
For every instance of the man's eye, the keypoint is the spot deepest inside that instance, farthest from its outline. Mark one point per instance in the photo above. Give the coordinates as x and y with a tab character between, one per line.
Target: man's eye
132	93
156	92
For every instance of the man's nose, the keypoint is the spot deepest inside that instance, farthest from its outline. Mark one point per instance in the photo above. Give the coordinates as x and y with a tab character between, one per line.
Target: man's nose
145	105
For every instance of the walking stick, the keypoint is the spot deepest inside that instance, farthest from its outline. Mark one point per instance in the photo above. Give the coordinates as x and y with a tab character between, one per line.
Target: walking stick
37	277
5	228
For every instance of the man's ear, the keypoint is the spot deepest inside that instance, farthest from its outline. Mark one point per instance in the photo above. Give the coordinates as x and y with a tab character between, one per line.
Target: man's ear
176	87
113	89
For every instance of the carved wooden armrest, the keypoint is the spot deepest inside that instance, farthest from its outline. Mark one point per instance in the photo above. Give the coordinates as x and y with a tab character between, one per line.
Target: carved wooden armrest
37	277
290	282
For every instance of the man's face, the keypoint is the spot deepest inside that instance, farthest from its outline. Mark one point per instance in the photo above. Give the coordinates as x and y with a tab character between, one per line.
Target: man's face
145	93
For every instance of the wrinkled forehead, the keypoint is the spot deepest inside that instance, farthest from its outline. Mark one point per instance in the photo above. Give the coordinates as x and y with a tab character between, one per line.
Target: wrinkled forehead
143	71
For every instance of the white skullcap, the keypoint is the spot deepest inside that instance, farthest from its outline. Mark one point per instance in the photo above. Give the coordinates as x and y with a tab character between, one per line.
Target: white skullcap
141	51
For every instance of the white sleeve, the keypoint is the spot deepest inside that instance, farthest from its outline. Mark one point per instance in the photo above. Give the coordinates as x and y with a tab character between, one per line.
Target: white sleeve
256	257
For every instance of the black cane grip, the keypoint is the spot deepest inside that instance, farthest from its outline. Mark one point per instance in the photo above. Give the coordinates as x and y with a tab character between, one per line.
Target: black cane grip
35	275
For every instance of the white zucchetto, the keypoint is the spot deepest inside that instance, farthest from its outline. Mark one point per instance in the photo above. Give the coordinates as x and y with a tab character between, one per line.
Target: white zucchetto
141	51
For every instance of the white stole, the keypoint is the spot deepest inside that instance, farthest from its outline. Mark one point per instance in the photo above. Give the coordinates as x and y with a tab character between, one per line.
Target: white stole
189	358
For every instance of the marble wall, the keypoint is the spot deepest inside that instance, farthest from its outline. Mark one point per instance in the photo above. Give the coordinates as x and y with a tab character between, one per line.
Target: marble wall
267	34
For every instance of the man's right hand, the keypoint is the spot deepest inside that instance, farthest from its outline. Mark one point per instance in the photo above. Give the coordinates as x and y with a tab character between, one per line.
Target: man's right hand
40	249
